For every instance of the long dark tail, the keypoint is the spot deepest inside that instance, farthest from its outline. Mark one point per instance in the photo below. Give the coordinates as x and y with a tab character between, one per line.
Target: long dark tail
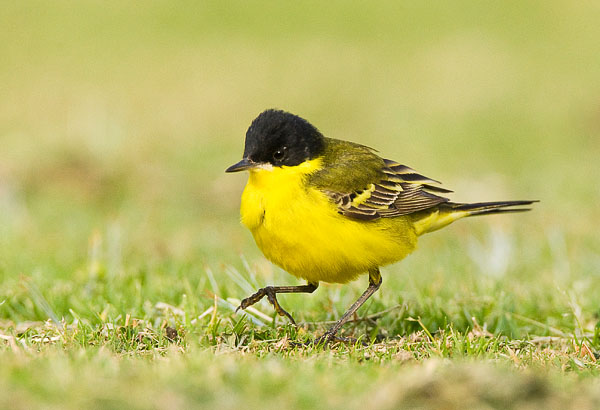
487	208
448	212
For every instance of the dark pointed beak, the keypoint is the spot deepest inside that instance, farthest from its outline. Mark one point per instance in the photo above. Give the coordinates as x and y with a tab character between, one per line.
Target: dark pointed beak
243	165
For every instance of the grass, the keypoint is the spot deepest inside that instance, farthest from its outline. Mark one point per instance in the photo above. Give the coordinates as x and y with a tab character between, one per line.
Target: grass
121	254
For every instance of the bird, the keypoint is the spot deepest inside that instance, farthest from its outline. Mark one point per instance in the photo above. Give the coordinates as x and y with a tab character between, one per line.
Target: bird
329	210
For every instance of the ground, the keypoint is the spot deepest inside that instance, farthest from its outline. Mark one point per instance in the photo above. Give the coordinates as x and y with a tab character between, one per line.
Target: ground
121	254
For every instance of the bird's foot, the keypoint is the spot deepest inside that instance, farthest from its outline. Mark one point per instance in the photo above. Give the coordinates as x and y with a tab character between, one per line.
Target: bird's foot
328	339
271	295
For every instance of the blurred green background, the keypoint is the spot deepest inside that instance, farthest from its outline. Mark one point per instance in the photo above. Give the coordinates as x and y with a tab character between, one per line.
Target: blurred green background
124	115
118	119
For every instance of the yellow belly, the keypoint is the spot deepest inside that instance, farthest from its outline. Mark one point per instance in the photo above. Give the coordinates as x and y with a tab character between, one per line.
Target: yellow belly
299	229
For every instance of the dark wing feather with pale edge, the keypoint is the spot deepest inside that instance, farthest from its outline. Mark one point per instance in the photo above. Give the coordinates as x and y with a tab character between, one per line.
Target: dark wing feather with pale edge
400	191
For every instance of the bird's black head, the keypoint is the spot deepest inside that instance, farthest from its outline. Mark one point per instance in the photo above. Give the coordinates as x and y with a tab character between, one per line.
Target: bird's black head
279	138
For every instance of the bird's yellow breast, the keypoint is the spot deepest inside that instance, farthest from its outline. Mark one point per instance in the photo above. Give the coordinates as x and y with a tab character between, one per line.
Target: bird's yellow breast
298	228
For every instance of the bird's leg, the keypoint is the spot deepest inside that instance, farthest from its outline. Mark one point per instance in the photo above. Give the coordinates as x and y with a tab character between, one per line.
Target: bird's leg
271	293
330	335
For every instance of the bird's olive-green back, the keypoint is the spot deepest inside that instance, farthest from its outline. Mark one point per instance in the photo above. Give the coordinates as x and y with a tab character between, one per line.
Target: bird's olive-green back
347	167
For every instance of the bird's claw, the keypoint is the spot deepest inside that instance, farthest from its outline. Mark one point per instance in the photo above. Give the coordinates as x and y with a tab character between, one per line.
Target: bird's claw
271	295
328	339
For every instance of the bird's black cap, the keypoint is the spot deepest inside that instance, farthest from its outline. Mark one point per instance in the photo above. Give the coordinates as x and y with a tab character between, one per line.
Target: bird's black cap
279	138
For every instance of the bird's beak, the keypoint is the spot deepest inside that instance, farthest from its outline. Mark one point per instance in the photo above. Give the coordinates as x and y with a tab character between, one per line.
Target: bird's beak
243	165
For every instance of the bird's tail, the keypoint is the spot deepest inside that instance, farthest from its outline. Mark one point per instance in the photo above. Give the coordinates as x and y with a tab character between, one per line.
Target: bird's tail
448	212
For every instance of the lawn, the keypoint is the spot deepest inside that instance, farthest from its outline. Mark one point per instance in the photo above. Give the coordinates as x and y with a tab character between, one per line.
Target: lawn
122	258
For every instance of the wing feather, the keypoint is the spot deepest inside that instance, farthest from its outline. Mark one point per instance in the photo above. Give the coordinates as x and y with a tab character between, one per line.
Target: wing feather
400	190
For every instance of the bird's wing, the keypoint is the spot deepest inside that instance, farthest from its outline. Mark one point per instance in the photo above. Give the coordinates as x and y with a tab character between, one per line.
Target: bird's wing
397	190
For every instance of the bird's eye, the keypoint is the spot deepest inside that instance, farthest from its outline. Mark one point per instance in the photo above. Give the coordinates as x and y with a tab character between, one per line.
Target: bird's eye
279	154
